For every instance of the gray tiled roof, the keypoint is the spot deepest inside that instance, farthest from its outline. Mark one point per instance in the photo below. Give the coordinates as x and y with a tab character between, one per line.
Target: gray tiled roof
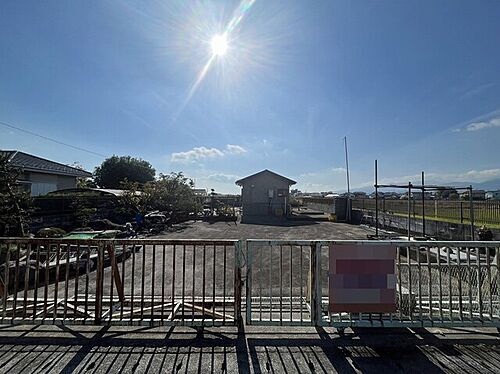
29	162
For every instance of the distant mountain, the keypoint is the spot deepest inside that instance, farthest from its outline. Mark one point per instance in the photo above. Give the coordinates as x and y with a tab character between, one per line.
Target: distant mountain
493	184
490	185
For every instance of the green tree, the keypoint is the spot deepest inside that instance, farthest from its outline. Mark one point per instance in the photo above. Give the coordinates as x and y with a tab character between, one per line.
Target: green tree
15	202
115	170
84	211
172	193
83	182
446	194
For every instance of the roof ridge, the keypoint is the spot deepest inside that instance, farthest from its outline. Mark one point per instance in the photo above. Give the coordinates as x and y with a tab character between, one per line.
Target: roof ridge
29	161
263	171
46	159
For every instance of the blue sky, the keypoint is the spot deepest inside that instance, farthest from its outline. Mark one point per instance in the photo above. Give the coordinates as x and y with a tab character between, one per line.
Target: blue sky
415	84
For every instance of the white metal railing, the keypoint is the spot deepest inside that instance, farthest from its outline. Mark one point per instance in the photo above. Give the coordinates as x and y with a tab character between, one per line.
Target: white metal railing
200	282
438	283
122	282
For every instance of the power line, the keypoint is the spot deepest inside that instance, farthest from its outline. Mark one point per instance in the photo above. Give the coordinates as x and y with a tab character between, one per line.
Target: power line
50	139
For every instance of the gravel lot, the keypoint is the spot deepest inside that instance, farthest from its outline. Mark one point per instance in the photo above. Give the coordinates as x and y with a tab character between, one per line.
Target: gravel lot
298	230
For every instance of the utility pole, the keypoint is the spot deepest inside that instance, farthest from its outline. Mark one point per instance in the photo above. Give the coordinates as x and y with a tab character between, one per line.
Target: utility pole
376	200
348	215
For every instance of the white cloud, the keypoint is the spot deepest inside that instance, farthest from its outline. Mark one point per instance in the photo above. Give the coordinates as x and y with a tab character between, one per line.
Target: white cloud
222	178
322	173
475	126
339	170
478	175
200	153
308	175
235	149
196	154
480	124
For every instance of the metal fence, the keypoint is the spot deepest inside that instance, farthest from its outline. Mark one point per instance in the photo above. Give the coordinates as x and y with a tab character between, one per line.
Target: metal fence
201	283
124	282
438	283
485	212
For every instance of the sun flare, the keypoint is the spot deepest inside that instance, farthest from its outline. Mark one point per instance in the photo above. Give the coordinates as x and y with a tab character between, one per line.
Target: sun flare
219	45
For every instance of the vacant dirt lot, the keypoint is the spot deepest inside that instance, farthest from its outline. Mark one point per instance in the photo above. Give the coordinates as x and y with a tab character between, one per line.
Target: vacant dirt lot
299	230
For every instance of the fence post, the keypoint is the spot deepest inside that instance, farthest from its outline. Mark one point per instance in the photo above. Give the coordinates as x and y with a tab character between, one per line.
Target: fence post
409	210
316	313
238	284
471	217
461	212
99	284
116	273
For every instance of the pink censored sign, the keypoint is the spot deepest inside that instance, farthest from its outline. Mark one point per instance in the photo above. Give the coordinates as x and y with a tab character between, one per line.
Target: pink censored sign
362	279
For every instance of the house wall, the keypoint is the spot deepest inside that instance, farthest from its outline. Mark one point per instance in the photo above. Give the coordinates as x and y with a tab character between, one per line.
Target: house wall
43	183
256	200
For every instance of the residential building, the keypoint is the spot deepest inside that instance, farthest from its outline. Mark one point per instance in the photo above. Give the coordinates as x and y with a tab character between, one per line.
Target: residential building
265	194
493	195
476	195
41	176
200	192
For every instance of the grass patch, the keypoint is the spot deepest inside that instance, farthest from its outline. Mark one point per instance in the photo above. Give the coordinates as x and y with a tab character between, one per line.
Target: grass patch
449	220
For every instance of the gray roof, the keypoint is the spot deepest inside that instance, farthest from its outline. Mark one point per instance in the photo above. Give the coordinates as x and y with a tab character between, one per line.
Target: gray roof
265	171
29	162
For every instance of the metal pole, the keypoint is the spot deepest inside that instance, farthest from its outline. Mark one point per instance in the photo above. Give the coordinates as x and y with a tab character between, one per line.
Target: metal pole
471	215
376	199
383	210
348	215
409	210
423	205
461	212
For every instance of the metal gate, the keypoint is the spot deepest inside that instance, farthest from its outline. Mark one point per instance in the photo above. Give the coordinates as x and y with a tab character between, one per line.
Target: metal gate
438	283
123	282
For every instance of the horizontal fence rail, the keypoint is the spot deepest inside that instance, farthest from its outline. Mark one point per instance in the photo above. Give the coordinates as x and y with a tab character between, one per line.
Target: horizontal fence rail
458	211
122	282
437	283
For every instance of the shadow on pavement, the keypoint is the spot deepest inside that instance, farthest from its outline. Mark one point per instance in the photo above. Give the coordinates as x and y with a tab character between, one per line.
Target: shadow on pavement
144	349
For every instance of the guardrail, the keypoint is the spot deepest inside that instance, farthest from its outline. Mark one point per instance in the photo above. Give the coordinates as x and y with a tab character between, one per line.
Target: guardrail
123	282
437	283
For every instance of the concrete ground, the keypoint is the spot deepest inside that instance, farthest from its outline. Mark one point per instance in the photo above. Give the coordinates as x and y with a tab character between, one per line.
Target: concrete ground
299	230
43	349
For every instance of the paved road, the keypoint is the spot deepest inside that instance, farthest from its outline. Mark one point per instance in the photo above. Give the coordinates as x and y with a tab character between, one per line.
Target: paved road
28	349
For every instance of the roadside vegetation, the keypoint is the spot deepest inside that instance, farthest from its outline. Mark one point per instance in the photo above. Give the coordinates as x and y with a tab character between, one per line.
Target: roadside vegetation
15	202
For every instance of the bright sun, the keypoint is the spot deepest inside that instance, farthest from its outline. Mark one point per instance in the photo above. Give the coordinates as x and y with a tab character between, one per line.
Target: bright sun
219	44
